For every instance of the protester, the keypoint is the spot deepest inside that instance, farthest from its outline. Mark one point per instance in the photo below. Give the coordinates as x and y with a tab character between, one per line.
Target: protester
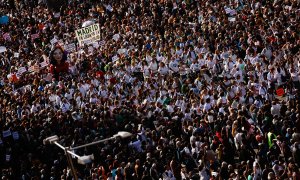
209	89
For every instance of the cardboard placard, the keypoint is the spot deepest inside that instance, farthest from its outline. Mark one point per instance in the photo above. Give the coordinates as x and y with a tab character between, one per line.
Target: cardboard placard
88	35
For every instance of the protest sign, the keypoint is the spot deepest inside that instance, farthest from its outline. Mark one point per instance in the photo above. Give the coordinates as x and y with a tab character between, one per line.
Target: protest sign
102	43
34	36
15	135
109	8
70	47
2	49
53	41
95	45
116	37
16	55
6	37
43	64
57	15
122	51
6	133
88	34
21	70
115	58
34	68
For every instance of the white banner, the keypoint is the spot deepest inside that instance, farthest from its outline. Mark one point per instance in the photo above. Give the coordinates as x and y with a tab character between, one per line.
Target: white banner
88	34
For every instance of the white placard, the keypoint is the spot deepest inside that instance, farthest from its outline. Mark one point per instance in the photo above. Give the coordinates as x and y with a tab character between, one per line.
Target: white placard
2	49
48	78
53	41
16	55
88	34
43	64
21	70
102	43
231	19
116	37
109	8
57	15
70	47
95	45
122	51
115	58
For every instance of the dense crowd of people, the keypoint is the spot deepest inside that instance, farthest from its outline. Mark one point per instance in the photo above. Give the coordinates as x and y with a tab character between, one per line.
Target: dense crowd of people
209	89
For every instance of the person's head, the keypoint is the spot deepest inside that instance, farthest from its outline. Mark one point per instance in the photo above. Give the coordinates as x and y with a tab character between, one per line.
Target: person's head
57	55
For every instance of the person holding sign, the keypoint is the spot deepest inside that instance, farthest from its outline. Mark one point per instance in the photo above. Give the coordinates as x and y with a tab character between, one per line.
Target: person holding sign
58	64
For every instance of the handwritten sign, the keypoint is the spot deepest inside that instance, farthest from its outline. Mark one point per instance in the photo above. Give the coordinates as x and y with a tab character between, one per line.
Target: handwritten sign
21	70
70	47
88	35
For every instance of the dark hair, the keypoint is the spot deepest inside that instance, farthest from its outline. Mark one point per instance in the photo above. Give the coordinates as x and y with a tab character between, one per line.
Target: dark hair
52	60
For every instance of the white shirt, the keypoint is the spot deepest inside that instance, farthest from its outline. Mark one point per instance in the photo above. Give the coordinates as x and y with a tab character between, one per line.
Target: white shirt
65	106
153	66
195	67
163	70
262	91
